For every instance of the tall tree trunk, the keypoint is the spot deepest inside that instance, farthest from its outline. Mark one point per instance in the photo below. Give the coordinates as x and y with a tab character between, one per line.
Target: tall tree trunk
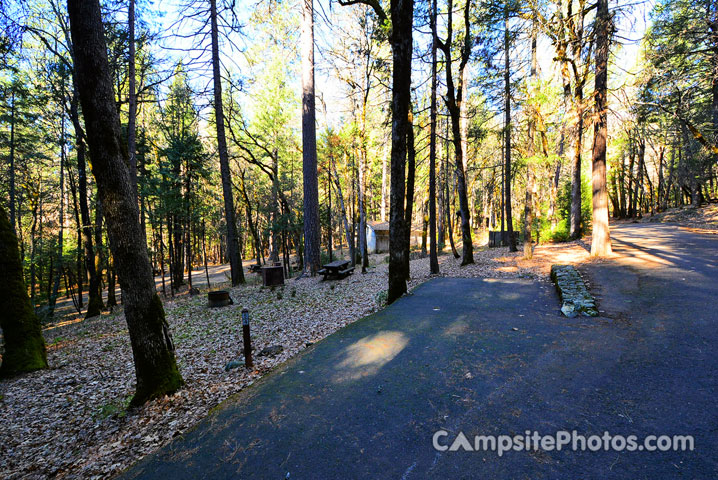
33	246
78	241
235	261
669	182
309	143
402	16
111	284
98	242
638	193
576	27
622	187
362	189
24	344
661	180
454	102
152	347
253	229
507	135
328	191
132	98
410	181
447	201
528	206
162	258
424	226
631	164
575	220
11	171
347	230
61	220
382	207
712	20
94	302
204	254
601	238
441	208
433	258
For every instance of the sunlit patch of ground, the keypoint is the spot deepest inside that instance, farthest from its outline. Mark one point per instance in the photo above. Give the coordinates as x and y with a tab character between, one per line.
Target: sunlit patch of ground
698	220
571	253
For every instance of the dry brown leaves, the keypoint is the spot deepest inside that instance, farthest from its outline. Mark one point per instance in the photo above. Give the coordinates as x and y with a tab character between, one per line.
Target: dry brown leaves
70	421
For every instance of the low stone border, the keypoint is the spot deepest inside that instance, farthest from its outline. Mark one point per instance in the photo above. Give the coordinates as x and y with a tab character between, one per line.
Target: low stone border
573	292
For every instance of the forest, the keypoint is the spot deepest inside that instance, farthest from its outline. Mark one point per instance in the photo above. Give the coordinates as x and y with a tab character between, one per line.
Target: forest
148	139
447	153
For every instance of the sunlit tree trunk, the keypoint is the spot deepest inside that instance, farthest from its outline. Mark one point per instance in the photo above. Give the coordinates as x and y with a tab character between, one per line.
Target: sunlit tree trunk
235	261
601	241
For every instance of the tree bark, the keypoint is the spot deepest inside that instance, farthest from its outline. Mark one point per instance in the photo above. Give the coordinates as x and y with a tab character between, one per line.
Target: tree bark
24	344
601	238
410	183
575	220
309	143
433	257
448	204
152	347
402	16
235	260
61	217
11	171
78	223
132	99
347	230
528	206
382	207
454	102
507	138
712	20
94	301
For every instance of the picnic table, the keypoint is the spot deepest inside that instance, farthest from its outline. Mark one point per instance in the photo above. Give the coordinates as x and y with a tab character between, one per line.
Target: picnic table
337	269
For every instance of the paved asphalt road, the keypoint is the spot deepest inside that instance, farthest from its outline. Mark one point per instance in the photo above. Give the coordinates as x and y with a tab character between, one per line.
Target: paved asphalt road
489	357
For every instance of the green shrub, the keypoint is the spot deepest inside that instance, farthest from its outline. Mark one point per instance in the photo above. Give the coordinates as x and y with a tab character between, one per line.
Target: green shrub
381	297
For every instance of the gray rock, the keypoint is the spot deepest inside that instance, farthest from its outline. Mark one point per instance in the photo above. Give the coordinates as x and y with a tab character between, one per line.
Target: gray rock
574	294
233	364
568	310
272	351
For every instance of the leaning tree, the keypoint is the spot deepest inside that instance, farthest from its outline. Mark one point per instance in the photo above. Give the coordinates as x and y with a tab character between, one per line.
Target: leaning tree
152	347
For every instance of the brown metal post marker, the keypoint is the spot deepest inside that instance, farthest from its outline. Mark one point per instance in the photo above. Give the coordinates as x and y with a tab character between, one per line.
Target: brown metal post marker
247	339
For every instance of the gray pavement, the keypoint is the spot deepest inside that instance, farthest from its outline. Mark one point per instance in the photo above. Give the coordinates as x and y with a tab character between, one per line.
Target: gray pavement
488	357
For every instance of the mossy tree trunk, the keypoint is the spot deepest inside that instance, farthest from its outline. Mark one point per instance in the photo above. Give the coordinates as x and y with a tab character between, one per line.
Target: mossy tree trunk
152	347
24	345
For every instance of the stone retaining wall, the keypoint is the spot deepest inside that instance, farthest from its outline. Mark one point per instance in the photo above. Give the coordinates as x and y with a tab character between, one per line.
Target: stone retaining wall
575	298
